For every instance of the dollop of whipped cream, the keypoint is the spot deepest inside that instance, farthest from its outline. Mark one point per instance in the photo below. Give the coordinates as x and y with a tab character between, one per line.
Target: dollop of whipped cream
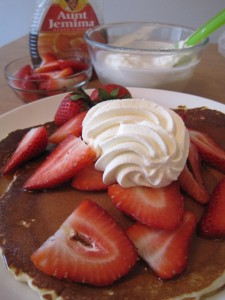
137	142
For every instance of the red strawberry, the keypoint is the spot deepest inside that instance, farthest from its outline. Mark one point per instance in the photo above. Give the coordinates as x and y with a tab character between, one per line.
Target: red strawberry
67	81
51	63
27	89
212	223
72	126
71	105
89	247
32	144
40	77
77	66
63	73
49	66
62	164
59	80
190	186
109	91
194	163
24	71
24	81
160	208
210	151
166	252
89	179
53	80
47	58
191	180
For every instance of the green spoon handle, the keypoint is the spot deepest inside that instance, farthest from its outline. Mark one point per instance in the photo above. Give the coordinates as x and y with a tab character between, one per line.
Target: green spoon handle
205	30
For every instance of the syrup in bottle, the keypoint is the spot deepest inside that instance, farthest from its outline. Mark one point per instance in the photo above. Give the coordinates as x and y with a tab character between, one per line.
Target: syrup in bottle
58	27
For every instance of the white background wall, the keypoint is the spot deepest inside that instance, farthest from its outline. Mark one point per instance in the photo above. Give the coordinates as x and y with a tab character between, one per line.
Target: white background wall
15	15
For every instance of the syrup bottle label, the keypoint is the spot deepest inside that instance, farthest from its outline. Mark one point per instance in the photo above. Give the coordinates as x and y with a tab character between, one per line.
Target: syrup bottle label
63	27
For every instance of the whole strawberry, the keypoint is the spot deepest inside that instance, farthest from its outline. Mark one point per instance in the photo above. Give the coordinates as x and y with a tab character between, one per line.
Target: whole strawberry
110	91
73	104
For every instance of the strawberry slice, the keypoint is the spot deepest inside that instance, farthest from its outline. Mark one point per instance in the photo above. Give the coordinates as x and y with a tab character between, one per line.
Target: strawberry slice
23	81
32	144
89	179
191	180
77	66
62	164
27	90
160	208
89	247
63	73
194	163
23	72
72	126
40	77
212	223
51	63
190	186
209	150
166	252
49	66
63	80
47	58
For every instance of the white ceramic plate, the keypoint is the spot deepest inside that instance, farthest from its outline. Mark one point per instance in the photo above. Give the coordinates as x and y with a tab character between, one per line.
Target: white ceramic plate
42	111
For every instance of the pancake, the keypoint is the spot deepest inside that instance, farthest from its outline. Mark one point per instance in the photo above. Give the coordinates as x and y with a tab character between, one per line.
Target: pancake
27	219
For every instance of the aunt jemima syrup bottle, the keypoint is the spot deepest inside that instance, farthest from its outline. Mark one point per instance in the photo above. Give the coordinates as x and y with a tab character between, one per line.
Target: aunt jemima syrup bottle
58	26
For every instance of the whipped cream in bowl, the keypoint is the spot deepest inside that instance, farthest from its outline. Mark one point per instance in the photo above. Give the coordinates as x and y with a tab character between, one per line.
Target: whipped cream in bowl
143	54
137	142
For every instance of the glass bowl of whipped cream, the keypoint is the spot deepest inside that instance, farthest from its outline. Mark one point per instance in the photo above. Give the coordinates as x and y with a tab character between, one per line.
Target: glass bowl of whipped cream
140	54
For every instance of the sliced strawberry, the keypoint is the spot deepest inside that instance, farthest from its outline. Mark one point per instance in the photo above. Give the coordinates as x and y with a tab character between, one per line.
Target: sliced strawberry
210	151
109	91
89	179
32	144
62	164
65	83
212	223
190	186
159	208
194	163
89	247
23	82
72	126
27	89
64	73
51	63
48	67
166	252
47	58
73	104
24	71
77	66
191	180
61	80
40	76
40	79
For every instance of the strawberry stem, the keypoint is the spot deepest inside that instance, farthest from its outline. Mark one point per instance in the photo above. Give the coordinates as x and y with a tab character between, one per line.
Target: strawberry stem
78	94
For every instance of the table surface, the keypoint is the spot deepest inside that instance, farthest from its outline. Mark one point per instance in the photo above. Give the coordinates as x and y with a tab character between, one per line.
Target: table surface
208	80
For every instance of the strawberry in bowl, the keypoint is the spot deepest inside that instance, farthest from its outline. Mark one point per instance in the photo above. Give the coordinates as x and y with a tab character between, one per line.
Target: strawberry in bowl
53	76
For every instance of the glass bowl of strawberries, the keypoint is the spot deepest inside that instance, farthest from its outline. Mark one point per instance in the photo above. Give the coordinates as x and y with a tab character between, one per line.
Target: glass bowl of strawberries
53	76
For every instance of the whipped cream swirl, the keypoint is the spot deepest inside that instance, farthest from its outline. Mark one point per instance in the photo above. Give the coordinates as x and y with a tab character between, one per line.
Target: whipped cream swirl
137	142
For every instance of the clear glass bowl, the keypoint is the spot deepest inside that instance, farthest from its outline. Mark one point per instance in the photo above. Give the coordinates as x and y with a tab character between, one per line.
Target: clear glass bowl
32	88
143	54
